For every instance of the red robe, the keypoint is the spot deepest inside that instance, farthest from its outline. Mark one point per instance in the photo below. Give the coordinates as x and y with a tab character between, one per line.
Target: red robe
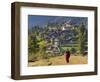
67	56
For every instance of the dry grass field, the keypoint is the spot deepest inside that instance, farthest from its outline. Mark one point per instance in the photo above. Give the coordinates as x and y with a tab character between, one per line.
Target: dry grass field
59	60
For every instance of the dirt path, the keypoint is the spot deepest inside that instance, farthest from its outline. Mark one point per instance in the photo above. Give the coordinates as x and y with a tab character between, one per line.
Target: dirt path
59	61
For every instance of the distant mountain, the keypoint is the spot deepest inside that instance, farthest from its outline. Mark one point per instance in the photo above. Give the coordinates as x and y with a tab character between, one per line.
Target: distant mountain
71	20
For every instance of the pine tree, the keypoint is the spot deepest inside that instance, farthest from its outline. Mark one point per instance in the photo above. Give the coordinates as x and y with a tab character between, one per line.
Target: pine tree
81	38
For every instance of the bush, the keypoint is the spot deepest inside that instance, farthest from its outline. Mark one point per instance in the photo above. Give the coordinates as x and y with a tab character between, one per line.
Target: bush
73	50
32	58
61	50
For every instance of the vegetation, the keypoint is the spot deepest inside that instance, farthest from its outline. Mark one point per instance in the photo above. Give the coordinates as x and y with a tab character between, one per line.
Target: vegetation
82	38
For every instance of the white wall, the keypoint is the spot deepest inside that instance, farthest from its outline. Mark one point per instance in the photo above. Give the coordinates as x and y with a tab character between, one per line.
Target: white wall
5	38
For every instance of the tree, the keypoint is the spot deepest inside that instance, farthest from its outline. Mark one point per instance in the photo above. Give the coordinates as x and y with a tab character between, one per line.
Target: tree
32	44
42	48
82	37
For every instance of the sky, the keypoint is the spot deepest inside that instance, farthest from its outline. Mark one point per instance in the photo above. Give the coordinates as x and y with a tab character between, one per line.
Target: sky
38	20
41	20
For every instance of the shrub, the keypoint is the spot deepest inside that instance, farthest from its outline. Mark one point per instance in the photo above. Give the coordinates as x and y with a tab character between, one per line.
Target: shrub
73	50
32	58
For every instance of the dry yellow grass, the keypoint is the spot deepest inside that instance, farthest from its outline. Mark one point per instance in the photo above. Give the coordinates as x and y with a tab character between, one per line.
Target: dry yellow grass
60	60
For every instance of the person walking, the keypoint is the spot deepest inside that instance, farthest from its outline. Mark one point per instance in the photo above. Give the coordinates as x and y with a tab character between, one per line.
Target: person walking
67	56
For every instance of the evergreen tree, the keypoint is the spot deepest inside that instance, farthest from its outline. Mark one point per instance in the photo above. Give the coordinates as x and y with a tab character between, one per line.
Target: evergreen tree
82	35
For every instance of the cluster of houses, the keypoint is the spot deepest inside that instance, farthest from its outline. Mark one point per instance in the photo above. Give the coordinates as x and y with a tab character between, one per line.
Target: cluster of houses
53	48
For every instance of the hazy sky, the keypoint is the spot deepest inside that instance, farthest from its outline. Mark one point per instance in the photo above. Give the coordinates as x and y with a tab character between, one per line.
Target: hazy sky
39	20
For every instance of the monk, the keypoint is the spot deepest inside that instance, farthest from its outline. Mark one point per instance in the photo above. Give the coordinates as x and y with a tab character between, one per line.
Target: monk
67	56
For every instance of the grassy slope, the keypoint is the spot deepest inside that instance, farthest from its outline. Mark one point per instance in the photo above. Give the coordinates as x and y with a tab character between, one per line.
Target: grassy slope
59	60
